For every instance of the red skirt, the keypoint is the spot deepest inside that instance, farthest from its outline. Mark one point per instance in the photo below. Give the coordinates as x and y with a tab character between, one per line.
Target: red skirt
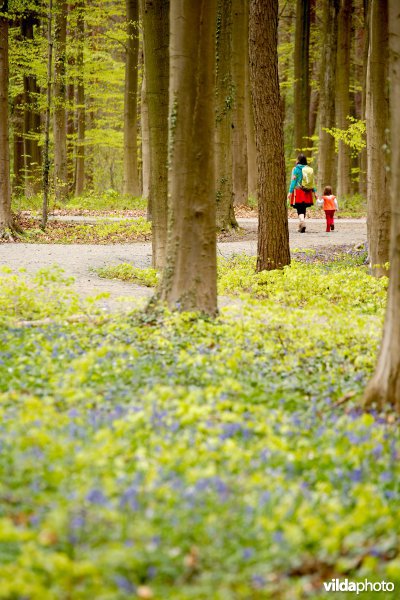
299	196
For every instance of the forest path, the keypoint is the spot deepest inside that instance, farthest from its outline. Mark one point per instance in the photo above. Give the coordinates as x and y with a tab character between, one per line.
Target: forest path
79	260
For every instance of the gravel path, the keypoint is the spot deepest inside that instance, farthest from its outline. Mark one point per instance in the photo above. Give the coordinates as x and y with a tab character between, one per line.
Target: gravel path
78	260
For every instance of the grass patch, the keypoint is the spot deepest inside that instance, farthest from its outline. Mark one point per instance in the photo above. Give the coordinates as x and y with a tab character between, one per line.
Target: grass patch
109	201
127	272
163	455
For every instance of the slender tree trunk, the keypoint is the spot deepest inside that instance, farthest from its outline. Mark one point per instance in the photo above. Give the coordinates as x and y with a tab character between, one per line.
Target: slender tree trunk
131	173
46	157
5	185
273	234
80	108
190	277
32	157
239	60
156	40
250	138
378	207
144	124
342	107
224	118
18	144
301	75
384	388
60	112
326	150
363	154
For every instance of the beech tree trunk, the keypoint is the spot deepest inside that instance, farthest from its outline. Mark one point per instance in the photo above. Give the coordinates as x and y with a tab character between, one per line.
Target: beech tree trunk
301	75
156	61
32	155
378	207
144	125
273	233
131	173
239	142
5	185
46	144
224	118
190	277
384	388
342	107
326	149
18	144
80	105
59	100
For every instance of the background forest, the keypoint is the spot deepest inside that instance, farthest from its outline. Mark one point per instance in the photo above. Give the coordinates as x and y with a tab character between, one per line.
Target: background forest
234	434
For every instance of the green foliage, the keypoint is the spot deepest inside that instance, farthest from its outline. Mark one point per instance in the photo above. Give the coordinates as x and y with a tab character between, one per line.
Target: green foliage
108	201
167	455
353	136
127	272
353	206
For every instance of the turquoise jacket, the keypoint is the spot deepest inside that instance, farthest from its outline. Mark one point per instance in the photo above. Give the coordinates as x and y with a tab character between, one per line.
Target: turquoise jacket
297	176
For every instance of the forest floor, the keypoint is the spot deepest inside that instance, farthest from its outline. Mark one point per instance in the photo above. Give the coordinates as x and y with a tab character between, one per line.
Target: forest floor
82	260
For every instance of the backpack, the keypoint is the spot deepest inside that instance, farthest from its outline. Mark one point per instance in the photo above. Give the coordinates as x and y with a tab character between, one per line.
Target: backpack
307	180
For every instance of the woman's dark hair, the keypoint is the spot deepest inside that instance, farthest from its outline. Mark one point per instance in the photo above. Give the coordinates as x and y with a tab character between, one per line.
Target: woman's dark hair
301	159
327	190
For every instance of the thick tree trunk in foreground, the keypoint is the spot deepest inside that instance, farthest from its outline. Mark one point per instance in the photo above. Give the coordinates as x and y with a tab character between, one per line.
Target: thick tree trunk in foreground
273	234
156	39
60	112
131	173
5	186
224	118
378	207
326	149
80	108
342	107
301	75
190	277
239	59
384	388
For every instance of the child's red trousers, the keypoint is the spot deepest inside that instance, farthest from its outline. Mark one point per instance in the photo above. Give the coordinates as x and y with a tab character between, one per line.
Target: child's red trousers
329	219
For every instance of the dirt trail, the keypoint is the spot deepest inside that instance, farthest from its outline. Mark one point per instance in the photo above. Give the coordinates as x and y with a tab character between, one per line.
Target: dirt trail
79	260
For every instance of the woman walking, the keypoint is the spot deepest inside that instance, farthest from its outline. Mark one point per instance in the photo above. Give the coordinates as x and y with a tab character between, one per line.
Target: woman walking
302	189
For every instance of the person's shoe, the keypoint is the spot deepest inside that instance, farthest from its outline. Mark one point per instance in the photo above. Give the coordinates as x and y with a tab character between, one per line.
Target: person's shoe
303	227
332	227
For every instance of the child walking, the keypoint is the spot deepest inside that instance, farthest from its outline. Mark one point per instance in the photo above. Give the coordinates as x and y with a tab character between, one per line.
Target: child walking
330	205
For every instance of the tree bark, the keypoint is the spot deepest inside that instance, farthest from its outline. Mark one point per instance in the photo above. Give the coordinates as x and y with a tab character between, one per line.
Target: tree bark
80	104
5	185
131	173
239	142
156	40
378	207
46	145
342	106
326	149
250	137
363	161
32	155
18	145
144	124
224	118
59	99
190	277
273	234
301	75
384	388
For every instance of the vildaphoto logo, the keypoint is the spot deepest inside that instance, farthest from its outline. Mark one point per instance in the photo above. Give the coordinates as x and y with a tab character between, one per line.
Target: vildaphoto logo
344	585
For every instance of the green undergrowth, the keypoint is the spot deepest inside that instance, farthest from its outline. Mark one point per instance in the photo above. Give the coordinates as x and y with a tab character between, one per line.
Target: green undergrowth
110	200
159	455
101	232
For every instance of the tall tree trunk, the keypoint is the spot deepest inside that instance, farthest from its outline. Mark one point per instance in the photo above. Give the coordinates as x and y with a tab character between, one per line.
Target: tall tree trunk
273	234
131	173
378	207
156	61
239	60
80	101
18	144
301	75
32	156
5	185
59	98
250	137
326	149
384	388
46	156
144	126
224	118
342	107
363	161
190	277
